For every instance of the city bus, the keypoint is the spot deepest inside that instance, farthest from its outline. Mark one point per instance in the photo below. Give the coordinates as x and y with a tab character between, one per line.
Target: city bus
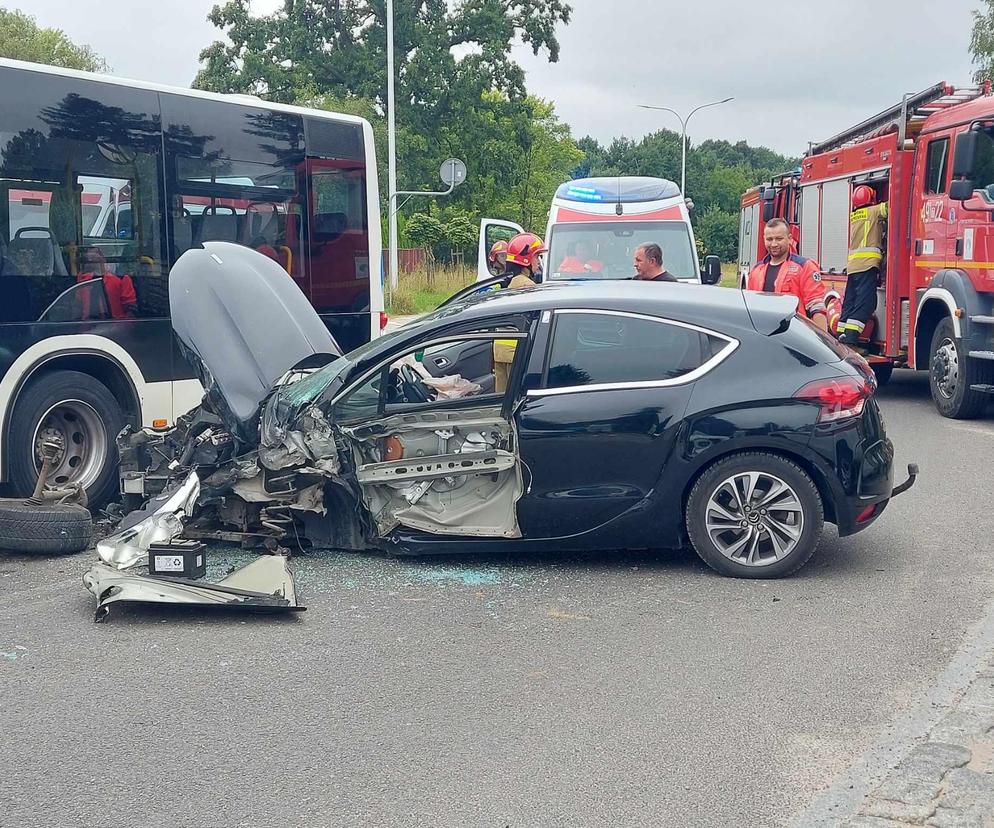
104	183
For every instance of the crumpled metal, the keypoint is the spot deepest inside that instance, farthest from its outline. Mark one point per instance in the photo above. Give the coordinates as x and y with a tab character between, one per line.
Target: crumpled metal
163	521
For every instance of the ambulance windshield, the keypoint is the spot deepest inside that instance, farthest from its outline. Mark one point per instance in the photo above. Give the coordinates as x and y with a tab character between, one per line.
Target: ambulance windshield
606	249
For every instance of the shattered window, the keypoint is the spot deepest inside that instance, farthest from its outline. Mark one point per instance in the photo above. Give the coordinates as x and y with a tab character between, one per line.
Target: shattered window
459	369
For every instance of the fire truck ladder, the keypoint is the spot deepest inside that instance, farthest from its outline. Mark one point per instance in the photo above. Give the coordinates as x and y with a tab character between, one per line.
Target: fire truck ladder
908	116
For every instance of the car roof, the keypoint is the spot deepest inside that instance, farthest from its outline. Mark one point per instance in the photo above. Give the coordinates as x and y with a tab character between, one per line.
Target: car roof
698	304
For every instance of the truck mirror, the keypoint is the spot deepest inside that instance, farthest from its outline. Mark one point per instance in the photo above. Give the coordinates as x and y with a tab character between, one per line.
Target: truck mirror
966	153
711	274
961	190
767	210
768	193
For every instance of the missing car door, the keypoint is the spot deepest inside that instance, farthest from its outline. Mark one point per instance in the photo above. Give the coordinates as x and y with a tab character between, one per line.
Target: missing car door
440	455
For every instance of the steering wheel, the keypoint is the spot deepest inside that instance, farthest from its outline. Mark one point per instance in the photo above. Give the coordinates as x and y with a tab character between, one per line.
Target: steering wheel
413	387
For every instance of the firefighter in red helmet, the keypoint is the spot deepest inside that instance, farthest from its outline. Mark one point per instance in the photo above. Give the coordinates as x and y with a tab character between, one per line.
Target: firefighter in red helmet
498	258
867	229
525	268
523	252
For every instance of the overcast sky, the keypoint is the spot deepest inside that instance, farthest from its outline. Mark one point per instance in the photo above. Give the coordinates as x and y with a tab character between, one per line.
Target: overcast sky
798	73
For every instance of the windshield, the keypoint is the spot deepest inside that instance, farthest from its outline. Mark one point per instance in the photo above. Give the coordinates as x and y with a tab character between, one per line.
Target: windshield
606	249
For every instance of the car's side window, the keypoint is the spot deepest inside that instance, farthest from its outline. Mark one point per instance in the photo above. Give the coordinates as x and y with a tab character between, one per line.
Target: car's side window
476	367
596	348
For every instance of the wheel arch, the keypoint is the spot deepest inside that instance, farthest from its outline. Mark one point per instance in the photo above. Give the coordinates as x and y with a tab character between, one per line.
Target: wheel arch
817	475
108	369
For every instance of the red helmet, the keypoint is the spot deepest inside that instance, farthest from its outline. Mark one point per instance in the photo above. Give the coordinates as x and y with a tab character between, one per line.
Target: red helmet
498	248
523	249
863	196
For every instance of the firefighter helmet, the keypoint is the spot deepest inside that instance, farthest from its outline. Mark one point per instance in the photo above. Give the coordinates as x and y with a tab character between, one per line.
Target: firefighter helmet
498	248
863	196
524	248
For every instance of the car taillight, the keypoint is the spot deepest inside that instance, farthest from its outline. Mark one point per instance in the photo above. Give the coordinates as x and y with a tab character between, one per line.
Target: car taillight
384	319
839	398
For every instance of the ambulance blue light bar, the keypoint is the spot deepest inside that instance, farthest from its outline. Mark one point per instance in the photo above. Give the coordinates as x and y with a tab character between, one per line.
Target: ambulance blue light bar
623	189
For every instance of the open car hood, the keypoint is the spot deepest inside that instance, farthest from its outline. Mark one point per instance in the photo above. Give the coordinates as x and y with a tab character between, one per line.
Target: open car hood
242	322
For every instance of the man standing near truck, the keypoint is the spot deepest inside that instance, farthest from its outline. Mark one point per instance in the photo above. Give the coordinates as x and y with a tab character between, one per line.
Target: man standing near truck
787	273
867	225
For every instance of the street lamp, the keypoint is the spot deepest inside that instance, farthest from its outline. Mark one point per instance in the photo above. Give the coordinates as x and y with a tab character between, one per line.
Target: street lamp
391	152
683	142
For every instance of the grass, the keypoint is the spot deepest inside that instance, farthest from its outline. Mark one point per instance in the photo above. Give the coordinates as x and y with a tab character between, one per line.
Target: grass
421	291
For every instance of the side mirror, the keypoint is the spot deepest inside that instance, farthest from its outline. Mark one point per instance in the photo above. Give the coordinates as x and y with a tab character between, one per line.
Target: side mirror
767	211
768	194
961	190
711	274
965	157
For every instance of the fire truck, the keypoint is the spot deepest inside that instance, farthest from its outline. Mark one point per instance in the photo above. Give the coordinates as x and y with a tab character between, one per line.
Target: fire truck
931	158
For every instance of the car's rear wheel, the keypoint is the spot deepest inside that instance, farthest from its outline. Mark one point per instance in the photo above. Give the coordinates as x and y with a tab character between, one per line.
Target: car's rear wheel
755	515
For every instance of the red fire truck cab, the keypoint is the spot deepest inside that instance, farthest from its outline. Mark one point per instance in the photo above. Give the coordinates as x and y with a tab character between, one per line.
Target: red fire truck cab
931	158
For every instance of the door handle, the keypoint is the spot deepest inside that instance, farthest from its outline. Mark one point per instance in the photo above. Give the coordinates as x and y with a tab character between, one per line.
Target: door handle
918	247
959	247
440	362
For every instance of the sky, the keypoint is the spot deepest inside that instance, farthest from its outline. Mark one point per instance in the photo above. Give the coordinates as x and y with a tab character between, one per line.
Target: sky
798	73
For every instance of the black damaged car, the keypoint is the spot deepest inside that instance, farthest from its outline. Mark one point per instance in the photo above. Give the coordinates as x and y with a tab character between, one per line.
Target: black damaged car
594	415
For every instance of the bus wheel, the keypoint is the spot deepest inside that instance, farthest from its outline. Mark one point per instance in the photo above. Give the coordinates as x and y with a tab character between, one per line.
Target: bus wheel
81	415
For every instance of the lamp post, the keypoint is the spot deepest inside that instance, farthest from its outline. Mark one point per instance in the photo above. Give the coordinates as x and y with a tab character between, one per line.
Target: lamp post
683	140
391	152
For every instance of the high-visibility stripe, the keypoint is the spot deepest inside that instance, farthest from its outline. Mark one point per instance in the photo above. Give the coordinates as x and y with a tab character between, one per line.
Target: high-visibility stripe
965	265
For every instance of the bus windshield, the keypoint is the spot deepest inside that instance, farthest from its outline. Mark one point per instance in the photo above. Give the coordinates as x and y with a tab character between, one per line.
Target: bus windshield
606	249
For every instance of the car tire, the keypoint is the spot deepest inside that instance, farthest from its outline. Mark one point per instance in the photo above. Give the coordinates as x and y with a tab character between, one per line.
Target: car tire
952	372
780	540
47	527
82	413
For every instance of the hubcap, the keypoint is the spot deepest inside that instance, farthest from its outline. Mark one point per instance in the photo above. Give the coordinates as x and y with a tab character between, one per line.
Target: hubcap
945	368
79	432
755	518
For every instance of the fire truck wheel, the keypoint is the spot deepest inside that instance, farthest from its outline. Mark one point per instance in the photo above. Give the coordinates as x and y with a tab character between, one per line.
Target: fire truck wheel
952	373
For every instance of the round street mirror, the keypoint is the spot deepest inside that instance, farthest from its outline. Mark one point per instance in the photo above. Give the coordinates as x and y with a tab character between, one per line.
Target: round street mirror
453	172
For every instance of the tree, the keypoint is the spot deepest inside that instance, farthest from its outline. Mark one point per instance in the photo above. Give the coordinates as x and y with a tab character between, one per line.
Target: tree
719	231
338	48
982	41
22	39
424	230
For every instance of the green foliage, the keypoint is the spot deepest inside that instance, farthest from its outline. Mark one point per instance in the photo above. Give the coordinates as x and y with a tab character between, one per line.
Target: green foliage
22	39
982	41
719	231
462	232
424	230
459	93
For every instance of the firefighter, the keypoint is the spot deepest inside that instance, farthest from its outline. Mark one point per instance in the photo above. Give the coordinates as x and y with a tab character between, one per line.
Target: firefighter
498	258
785	272
867	225
524	266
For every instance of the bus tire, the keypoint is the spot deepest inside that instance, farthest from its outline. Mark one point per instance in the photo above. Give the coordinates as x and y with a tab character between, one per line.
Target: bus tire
47	527
81	414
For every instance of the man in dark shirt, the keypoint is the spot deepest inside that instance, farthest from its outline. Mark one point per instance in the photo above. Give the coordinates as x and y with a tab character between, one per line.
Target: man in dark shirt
649	264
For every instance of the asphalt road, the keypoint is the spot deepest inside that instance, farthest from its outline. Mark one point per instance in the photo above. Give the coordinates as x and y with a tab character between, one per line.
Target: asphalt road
594	690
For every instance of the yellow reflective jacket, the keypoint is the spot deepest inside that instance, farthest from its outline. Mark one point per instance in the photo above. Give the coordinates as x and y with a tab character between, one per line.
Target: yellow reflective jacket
866	237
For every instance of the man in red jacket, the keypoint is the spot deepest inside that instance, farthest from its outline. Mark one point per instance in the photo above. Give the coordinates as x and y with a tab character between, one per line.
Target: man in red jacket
786	273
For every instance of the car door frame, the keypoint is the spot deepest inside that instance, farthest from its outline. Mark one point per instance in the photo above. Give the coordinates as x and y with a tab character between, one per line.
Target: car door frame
533	388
